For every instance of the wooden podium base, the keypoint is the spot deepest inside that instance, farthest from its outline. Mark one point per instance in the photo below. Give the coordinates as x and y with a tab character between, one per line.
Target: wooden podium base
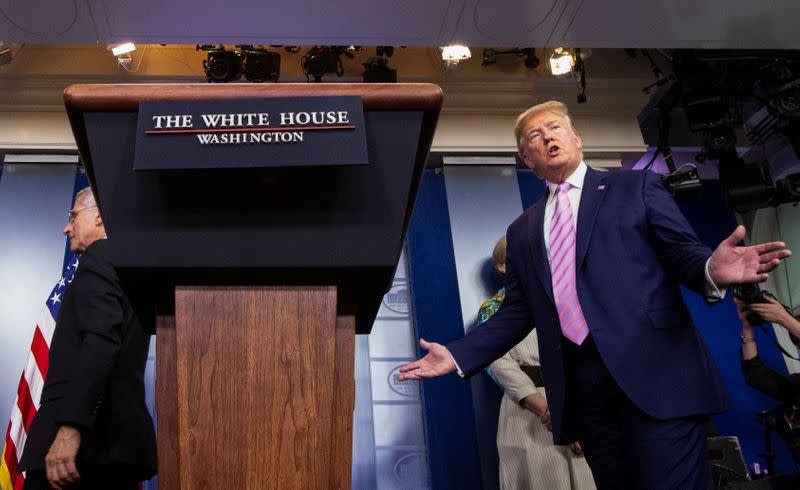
255	389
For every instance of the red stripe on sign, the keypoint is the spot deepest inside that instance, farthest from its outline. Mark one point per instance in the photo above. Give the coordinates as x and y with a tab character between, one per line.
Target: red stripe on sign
25	403
40	351
243	130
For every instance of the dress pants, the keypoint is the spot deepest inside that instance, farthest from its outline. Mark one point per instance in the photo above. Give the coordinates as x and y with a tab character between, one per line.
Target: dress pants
625	447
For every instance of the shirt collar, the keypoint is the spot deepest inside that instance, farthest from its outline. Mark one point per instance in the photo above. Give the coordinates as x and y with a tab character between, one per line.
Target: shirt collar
575	179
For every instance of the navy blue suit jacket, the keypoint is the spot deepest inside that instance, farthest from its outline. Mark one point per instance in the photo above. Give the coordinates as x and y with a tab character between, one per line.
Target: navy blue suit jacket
634	248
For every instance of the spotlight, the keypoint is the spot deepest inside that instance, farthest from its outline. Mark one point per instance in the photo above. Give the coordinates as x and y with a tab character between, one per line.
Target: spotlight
260	65
489	57
122	49
5	55
562	61
387	51
123	53
325	59
787	99
221	65
453	54
531	60
376	70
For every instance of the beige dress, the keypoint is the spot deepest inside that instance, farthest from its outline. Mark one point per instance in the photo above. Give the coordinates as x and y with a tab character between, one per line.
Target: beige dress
528	458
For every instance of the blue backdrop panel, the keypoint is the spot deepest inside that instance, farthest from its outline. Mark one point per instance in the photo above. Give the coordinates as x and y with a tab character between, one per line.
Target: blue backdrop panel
713	219
531	187
447	402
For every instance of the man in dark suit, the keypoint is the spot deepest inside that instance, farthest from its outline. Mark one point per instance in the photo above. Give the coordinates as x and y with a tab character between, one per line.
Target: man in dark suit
596	266
92	429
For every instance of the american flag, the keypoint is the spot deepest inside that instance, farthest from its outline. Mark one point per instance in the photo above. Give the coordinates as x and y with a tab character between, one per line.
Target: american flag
29	391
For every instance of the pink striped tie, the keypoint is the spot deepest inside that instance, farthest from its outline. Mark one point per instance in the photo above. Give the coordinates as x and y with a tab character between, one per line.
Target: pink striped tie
562	267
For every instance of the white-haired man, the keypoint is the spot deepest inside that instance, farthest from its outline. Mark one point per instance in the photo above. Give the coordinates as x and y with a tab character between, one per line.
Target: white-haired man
92	430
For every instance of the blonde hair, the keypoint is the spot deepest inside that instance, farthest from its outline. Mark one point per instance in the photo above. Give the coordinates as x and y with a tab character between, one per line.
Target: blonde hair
554	106
499	253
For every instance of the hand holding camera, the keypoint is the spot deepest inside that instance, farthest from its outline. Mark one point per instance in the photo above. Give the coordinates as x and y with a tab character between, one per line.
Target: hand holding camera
757	307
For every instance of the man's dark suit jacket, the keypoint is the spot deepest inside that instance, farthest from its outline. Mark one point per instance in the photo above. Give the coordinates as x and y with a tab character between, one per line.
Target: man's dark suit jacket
634	248
95	377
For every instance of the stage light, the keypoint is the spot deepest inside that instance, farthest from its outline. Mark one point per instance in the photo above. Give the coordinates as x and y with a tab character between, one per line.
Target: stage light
531	60
325	59
489	57
376	70
387	51
562	61
453	54
221	65
260	65
5	55
123	49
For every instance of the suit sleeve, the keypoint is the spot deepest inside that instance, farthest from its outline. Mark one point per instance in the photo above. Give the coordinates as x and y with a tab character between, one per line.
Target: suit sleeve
99	319
516	384
675	242
503	330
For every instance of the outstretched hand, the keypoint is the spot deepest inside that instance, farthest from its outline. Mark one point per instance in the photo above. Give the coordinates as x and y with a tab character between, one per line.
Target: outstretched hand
733	264
437	362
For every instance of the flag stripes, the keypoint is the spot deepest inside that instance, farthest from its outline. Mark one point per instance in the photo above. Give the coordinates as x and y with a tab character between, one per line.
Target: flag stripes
29	390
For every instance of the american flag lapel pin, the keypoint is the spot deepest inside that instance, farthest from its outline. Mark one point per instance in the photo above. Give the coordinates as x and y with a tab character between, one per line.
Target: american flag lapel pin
601	187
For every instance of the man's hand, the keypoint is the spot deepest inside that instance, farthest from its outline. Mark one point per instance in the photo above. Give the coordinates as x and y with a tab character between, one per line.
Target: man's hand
60	460
437	362
576	448
537	404
732	264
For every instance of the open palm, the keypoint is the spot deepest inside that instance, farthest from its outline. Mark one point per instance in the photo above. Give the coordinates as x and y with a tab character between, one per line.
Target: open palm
733	264
437	362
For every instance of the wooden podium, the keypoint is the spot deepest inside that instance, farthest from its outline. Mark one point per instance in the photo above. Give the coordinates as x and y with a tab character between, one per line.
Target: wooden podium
256	280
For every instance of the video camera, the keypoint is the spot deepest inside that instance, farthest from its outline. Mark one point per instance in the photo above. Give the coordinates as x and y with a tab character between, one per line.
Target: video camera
784	419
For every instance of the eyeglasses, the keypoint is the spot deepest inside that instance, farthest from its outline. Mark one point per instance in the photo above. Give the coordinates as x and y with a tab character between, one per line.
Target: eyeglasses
73	213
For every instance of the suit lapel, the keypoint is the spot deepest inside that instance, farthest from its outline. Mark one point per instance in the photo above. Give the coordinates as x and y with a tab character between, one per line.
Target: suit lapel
594	190
538	251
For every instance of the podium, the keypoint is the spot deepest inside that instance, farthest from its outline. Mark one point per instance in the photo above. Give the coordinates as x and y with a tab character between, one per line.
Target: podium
255	280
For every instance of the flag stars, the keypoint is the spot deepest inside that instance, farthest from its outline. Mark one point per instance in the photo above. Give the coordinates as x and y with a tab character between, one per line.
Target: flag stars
56	298
61	282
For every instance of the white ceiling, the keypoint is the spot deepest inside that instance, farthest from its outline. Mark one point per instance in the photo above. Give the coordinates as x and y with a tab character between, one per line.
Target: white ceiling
539	23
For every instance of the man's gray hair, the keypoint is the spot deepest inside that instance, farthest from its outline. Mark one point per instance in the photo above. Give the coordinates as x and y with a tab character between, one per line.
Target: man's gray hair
554	106
86	197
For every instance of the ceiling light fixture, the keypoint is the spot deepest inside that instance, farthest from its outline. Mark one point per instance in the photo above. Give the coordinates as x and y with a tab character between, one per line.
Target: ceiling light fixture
5	54
123	49
454	54
562	61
